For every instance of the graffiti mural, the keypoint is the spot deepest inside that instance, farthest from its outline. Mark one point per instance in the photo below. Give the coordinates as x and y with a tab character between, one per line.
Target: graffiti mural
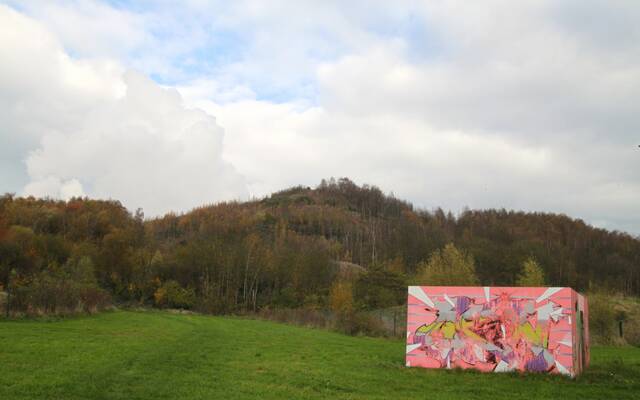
499	329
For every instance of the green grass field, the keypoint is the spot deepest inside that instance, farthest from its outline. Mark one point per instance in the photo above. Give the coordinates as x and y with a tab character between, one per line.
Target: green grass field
157	355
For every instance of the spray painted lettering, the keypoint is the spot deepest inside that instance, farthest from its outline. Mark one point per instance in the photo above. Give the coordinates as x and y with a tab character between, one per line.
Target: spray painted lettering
500	329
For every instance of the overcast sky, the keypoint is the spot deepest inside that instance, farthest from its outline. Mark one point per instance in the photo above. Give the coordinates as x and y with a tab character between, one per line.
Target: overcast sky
527	105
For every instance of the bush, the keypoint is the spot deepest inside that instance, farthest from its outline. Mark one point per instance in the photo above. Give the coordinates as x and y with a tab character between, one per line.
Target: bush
57	293
359	323
172	295
632	331
380	288
628	311
341	298
3	301
602	318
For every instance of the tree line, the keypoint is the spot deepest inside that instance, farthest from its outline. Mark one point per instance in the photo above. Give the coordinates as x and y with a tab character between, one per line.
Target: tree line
337	246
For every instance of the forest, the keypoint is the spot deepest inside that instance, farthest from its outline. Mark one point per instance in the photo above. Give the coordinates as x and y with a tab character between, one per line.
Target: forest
337	246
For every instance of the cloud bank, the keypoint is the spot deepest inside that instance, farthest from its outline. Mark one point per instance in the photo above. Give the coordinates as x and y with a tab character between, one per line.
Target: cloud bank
514	105
93	129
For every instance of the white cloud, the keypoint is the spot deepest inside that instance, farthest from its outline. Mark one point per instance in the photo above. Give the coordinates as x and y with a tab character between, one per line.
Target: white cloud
90	28
515	111
97	131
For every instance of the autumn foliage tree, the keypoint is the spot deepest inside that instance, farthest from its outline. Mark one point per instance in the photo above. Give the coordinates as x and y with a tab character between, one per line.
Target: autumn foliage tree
341	298
283	251
532	274
450	267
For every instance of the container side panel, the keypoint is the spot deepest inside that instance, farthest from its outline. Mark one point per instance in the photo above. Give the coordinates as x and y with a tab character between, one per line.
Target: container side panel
491	328
584	309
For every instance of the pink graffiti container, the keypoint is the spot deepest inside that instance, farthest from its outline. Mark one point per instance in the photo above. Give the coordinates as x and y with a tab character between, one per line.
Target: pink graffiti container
498	329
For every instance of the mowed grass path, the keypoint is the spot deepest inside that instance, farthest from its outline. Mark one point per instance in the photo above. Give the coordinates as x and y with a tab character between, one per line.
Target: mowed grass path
157	355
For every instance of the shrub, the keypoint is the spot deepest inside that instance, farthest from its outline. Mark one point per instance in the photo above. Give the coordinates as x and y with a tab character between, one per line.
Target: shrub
632	331
3	301
59	291
172	295
380	288
341	298
359	323
602	318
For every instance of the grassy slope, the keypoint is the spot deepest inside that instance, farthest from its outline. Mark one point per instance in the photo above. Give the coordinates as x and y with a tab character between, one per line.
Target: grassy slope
155	355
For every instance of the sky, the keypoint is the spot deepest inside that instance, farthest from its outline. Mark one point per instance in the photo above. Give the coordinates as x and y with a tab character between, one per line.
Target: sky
527	105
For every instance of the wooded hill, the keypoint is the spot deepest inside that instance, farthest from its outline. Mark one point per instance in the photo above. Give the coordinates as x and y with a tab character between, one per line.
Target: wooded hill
283	251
